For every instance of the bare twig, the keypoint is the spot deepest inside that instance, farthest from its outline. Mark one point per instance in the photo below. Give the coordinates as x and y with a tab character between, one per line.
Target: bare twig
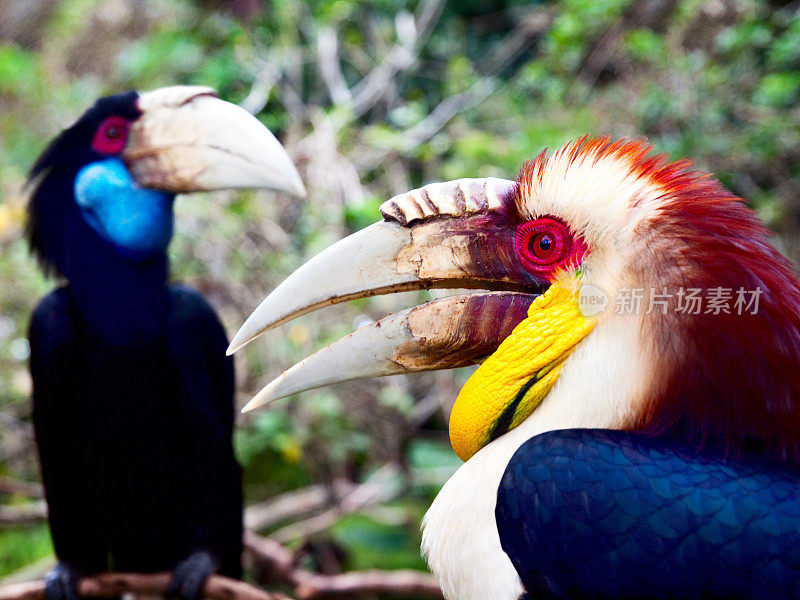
525	33
402	56
112	584
31	489
257	99
381	487
644	14
447	109
12	423
24	514
309	586
294	504
278	559
530	28
329	68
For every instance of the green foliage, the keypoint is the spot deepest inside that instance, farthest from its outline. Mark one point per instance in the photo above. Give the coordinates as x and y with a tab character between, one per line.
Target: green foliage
270	453
371	544
361	214
18	70
777	89
23	546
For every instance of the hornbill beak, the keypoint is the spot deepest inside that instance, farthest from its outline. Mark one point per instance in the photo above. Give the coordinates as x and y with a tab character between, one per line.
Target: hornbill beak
457	234
187	140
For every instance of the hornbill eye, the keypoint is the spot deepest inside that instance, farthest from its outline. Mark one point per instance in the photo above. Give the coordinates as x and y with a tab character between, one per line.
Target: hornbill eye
543	245
547	242
111	136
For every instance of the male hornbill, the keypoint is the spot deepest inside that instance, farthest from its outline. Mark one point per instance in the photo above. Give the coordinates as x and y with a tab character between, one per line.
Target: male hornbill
631	452
133	393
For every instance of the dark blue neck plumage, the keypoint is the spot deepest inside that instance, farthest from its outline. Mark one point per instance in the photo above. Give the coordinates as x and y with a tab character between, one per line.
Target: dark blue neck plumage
122	301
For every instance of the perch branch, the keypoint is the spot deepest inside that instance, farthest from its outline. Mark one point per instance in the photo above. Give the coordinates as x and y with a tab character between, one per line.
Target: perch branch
398	584
112	584
311	586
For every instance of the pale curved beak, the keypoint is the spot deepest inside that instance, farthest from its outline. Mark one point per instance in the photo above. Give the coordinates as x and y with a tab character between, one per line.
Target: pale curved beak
442	334
456	234
187	140
444	235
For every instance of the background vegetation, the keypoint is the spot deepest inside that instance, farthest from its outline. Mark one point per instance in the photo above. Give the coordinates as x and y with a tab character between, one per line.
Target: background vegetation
373	99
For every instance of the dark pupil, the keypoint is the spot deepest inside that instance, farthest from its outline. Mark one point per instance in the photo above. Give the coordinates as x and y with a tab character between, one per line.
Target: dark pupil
545	243
112	132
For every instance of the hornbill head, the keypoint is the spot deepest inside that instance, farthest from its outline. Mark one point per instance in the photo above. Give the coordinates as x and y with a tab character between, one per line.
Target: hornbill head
115	172
594	222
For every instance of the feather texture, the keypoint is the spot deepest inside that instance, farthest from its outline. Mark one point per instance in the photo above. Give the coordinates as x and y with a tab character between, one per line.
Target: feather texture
610	514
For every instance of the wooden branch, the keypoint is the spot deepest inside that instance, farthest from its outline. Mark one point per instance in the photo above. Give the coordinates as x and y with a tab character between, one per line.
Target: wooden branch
24	514
329	68
528	31
525	34
398	584
401	57
382	486
270	554
447	109
311	586
638	15
112	584
267	553
32	489
265	79
296	503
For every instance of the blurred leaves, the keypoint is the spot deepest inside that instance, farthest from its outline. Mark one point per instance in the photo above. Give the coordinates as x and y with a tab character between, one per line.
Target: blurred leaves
22	546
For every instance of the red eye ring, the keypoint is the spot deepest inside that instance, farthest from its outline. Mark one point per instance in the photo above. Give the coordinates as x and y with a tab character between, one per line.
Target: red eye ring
543	242
111	136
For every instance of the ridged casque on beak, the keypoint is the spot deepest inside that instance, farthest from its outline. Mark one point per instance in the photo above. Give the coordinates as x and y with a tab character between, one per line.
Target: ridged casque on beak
444	235
187	140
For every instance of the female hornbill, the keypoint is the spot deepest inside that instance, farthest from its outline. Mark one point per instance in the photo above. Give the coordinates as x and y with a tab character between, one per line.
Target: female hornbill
133	394
613	449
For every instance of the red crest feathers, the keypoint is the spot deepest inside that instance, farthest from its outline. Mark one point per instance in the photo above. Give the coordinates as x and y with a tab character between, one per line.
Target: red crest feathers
726	380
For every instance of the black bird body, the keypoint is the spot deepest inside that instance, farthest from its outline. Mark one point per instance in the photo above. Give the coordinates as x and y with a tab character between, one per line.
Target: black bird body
135	436
133	392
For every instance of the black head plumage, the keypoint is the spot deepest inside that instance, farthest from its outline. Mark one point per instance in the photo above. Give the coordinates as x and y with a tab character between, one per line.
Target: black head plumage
52	213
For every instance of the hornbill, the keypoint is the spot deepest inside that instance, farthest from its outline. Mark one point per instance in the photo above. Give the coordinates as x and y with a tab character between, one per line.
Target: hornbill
611	451
132	391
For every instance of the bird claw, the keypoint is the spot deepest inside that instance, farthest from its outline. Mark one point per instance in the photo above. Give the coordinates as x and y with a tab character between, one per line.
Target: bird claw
191	574
61	583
